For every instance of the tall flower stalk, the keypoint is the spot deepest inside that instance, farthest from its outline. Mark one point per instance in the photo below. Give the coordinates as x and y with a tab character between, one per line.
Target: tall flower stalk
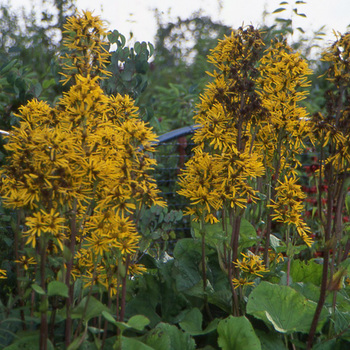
332	130
281	138
81	172
227	113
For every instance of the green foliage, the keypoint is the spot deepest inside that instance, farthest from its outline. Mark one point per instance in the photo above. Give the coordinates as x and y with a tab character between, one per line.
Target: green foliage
307	272
157	226
237	333
28	341
128	66
282	307
192	323
166	336
178	71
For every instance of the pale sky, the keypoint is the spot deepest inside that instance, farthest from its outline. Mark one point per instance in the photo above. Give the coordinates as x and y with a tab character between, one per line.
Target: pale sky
138	16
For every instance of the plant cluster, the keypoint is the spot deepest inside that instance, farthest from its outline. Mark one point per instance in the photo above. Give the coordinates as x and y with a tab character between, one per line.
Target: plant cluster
78	174
97	261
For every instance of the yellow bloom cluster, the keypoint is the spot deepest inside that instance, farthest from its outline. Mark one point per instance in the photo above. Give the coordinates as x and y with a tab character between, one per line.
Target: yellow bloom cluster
333	128
82	168
230	103
338	55
288	207
200	182
250	267
85	40
282	76
226	114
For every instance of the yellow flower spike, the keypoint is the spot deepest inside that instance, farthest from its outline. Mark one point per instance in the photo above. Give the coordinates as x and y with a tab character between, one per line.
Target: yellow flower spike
288	207
86	40
89	154
282	74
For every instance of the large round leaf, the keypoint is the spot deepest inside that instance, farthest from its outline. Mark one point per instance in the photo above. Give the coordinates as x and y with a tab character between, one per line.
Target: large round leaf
282	306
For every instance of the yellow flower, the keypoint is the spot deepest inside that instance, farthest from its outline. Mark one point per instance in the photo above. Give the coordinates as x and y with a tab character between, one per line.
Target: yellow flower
241	282
82	168
137	269
25	261
282	84
98	244
251	264
3	274
199	183
86	42
288	207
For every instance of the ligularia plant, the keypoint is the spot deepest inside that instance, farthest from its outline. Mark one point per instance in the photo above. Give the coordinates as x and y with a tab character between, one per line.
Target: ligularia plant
252	130
79	173
218	179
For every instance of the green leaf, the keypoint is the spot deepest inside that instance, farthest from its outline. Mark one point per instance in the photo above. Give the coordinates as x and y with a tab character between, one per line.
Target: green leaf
275	242
113	36
57	288
28	341
270	341
138	322
48	82
236	333
137	47
7	66
280	9
328	345
309	271
38	289
169	337
122	39
133	344
158	340
192	323
347	203
247	234
151	48
109	317
341	321
214	233
94	308
75	344
37	89
187	254
283	307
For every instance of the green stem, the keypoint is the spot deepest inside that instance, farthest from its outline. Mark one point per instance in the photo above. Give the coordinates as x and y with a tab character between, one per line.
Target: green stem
235	221
69	264
325	269
19	274
204	270
123	296
105	328
44	331
82	318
